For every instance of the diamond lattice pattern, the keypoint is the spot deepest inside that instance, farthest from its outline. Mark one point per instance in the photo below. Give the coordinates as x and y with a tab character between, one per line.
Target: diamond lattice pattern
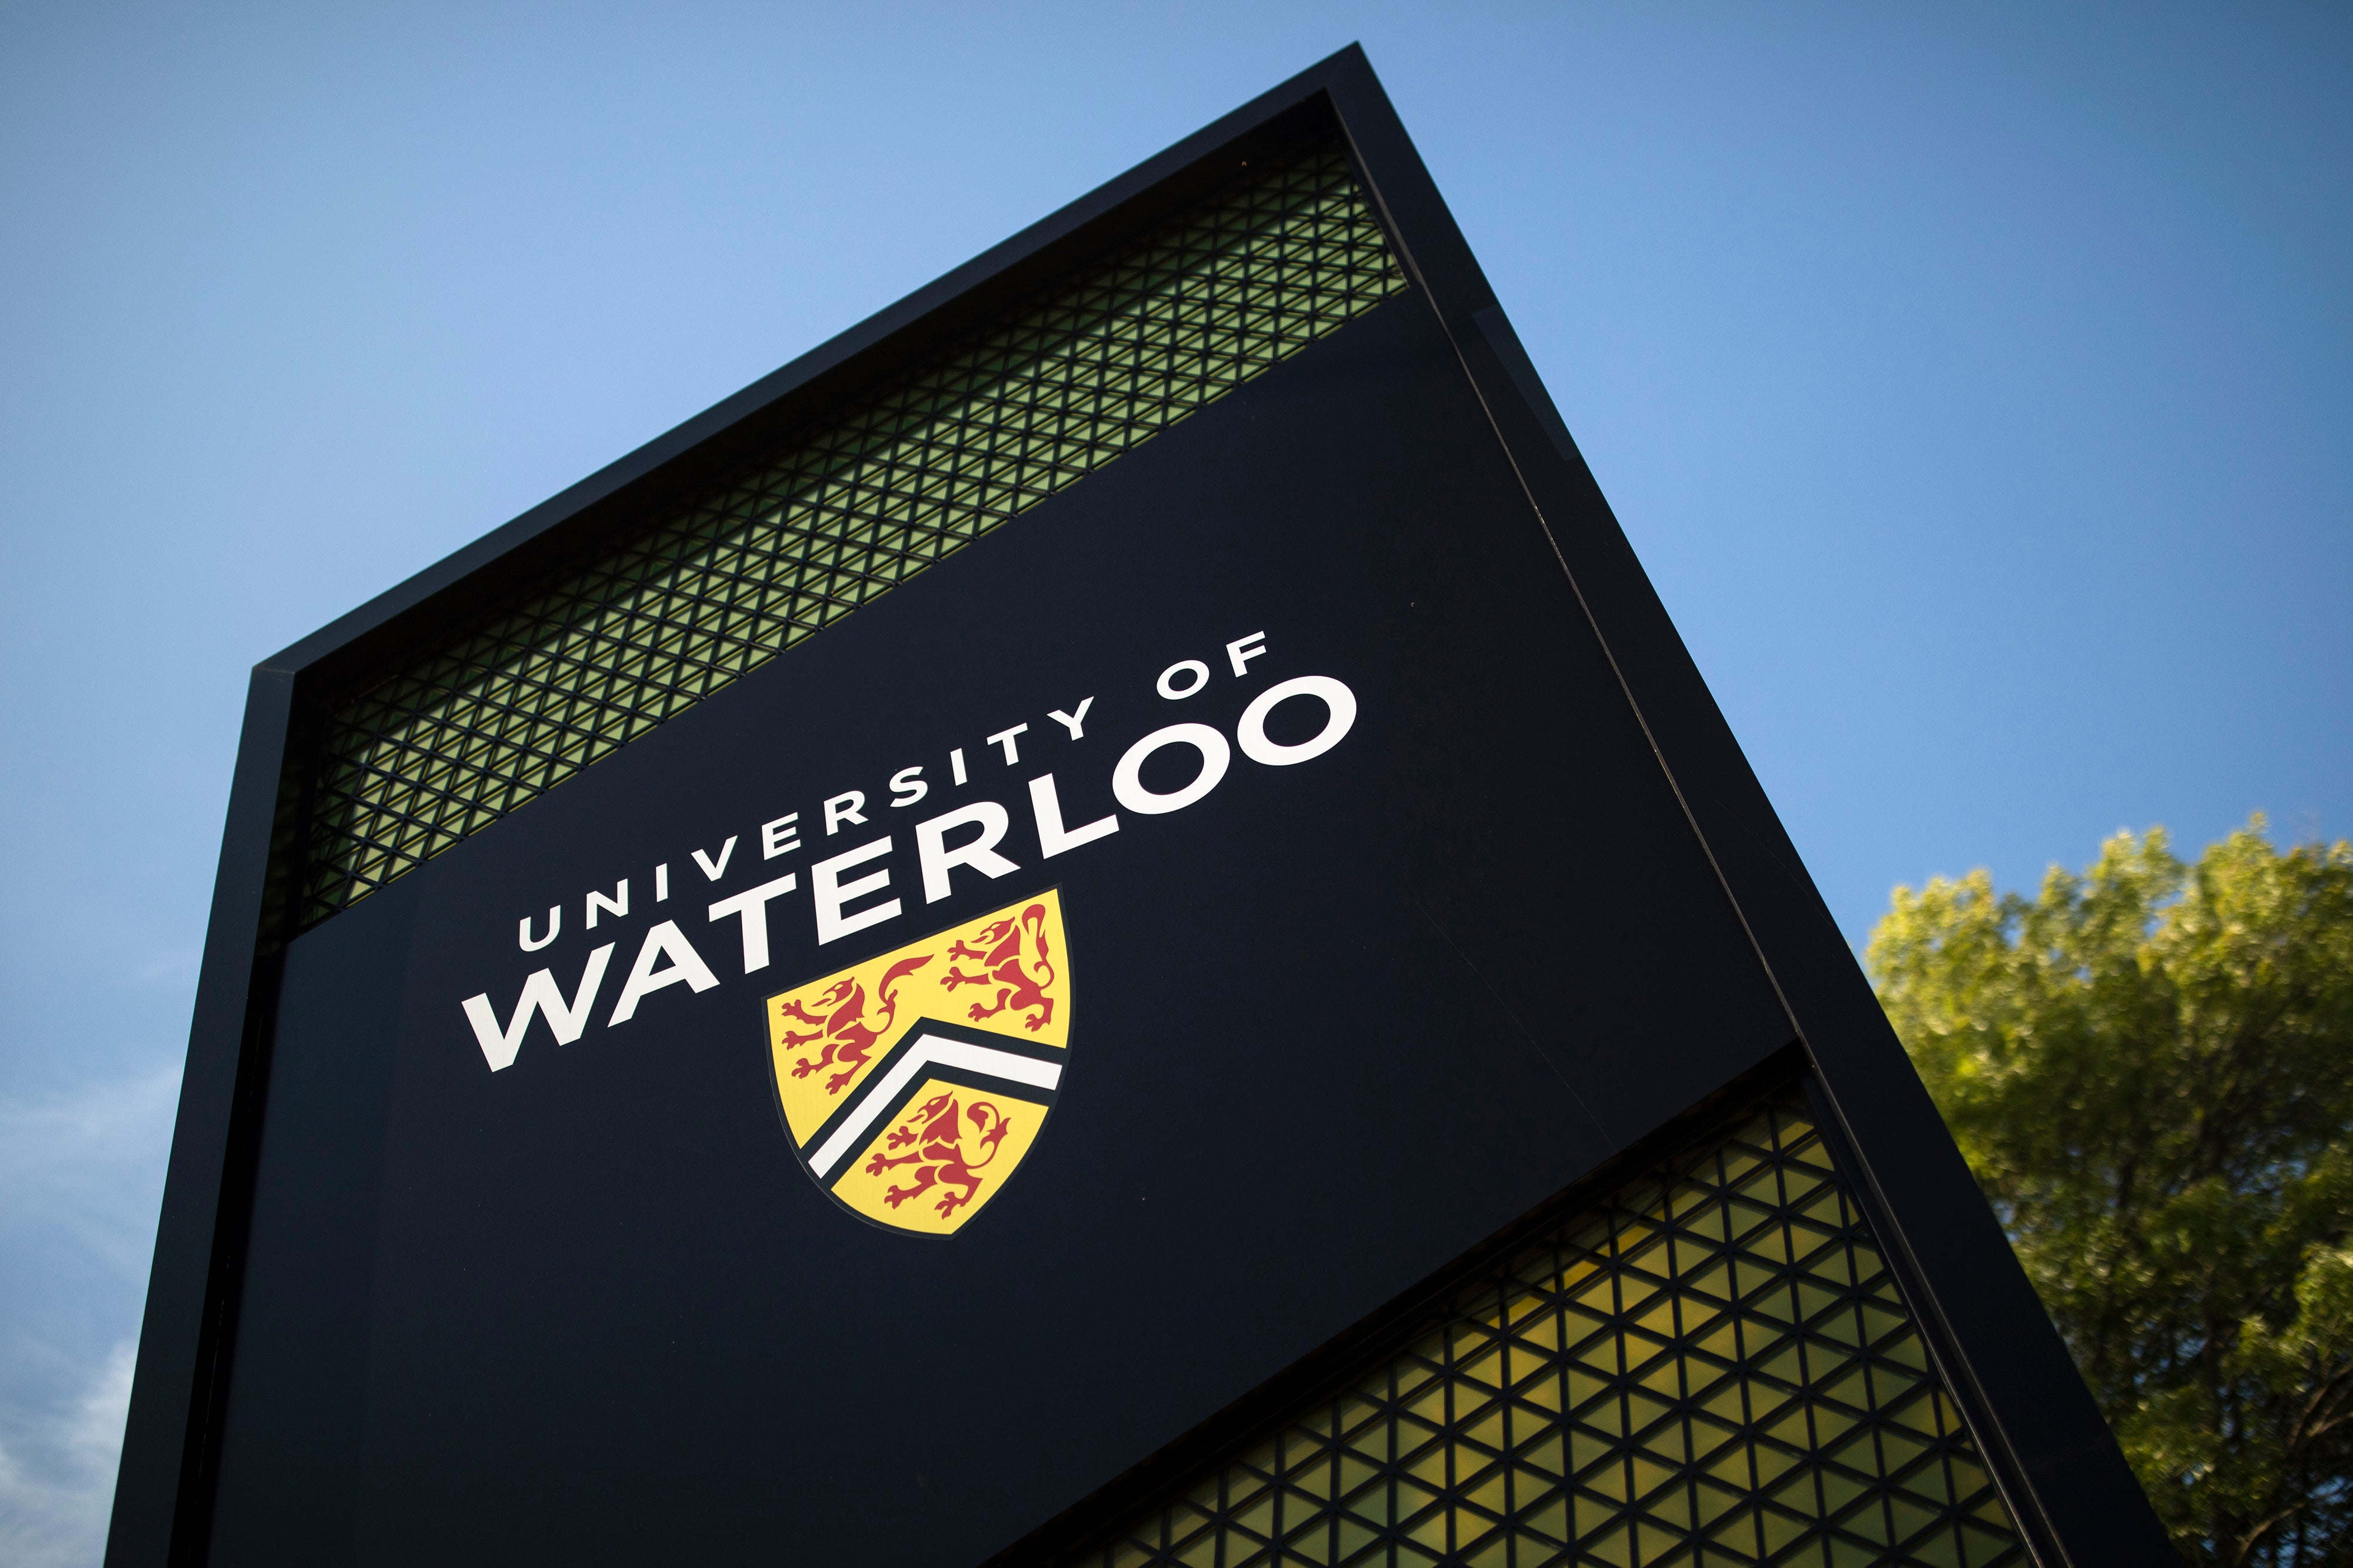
1712	1369
713	590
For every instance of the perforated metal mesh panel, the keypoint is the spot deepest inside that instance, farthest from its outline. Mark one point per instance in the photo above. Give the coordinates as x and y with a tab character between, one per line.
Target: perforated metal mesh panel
507	709
1713	1368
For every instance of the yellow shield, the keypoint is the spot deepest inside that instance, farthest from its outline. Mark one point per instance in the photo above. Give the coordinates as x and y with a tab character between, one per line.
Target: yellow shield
914	1083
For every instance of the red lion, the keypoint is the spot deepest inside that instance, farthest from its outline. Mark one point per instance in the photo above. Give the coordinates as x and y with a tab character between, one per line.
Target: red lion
1004	966
840	1021
939	1151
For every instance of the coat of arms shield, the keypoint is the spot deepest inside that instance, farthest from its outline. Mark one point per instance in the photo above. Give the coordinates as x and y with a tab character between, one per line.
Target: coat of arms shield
914	1083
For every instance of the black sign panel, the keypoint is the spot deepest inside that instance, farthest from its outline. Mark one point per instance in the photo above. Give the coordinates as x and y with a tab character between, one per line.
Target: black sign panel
1351	992
934	1089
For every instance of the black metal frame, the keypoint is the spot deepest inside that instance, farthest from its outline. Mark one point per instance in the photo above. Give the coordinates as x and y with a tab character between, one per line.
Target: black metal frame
2067	1480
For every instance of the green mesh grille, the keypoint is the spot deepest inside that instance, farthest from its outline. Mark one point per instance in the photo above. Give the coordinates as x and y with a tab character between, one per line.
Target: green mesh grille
716	588
1713	1368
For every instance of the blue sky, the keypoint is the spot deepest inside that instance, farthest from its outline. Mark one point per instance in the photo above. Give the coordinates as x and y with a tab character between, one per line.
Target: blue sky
1974	382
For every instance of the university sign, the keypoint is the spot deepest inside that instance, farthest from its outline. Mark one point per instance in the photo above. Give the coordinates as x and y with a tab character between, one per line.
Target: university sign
1100	925
928	1070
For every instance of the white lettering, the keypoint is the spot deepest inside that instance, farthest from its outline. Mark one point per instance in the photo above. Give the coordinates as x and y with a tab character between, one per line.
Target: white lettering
554	924
1053	836
956	763
908	782
662	883
1004	738
1071	722
1241	650
665	941
828	892
714	871
778	838
751	906
1339	714
850	805
1127	779
1167	685
931	847
619	904
540	995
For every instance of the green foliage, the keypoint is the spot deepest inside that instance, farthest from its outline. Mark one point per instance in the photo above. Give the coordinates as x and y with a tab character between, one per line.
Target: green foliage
2151	1069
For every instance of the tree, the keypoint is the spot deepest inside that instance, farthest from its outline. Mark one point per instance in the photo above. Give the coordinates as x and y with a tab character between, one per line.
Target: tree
2151	1069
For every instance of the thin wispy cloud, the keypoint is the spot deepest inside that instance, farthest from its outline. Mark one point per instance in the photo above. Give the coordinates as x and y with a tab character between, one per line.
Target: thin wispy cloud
56	1471
81	1177
86	1166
